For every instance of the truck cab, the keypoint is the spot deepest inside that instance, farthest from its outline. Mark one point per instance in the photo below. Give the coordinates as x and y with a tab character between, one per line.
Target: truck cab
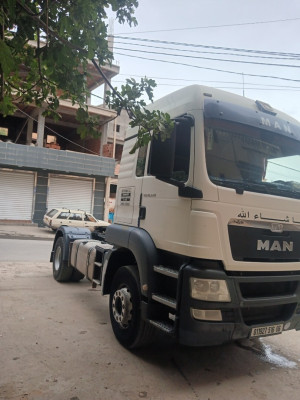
208	223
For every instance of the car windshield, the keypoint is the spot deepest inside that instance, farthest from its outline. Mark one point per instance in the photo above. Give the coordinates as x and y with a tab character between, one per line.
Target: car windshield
248	158
90	218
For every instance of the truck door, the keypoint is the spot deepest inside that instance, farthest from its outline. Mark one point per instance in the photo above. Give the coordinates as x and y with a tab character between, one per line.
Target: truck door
165	201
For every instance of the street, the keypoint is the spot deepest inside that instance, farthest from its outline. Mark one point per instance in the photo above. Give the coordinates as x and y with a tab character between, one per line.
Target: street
56	343
21	250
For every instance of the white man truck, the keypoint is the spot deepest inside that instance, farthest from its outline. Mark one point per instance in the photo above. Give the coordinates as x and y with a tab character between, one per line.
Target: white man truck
206	240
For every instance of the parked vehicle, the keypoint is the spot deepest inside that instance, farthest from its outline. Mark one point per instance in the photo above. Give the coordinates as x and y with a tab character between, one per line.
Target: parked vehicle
205	244
58	217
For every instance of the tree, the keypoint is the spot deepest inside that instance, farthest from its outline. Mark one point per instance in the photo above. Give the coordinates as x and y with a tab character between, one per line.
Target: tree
67	33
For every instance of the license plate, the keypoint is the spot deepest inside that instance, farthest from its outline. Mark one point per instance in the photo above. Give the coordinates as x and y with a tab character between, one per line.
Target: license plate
266	330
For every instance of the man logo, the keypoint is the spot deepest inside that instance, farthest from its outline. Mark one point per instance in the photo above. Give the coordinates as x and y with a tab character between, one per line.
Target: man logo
268	245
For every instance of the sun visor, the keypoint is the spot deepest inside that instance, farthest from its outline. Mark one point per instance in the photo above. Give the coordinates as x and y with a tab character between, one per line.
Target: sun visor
220	110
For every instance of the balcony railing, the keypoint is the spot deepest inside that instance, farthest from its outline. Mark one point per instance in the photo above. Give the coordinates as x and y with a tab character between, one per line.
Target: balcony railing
31	157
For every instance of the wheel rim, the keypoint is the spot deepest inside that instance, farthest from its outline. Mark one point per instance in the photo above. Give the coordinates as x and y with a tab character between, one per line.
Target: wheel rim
122	307
57	258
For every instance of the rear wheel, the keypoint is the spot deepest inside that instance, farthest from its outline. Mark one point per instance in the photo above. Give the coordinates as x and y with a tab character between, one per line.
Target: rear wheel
125	309
62	272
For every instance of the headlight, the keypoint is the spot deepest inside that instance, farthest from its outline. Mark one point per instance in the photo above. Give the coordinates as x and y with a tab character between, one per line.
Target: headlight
209	290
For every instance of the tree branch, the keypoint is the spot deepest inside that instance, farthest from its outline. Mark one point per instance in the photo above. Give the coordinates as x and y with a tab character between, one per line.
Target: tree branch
50	31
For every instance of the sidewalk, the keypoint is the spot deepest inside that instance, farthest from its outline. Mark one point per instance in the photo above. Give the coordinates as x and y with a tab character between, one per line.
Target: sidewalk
25	232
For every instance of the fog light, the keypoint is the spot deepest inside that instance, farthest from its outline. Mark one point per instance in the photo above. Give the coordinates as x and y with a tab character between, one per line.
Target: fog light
207	315
209	290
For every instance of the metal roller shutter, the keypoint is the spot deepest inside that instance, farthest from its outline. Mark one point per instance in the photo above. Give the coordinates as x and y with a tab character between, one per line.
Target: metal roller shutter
73	193
16	195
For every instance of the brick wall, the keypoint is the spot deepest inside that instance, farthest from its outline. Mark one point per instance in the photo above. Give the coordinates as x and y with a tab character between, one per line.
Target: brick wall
108	150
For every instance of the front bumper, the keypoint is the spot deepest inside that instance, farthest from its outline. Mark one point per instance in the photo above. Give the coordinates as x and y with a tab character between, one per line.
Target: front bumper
256	301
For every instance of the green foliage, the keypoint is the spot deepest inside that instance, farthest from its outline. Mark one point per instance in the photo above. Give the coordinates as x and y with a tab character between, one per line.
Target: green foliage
66	34
149	123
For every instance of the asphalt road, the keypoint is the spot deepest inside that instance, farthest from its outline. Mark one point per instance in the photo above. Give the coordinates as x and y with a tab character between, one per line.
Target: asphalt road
56	343
25	250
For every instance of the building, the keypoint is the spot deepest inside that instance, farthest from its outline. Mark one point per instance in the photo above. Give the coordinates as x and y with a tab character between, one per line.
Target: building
45	164
113	147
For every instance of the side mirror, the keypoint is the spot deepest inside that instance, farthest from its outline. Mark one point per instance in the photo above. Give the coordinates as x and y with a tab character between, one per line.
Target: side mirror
190	192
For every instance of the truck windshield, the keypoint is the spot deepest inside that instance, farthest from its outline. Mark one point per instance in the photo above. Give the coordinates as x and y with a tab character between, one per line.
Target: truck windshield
248	158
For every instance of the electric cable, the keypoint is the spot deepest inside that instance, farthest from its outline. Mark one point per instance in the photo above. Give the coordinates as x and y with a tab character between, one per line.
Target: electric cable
210	58
213	81
210	69
210	47
214	26
205	52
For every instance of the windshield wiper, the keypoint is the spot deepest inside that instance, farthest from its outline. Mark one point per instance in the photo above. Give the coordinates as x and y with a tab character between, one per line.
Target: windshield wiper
291	188
239	186
285	189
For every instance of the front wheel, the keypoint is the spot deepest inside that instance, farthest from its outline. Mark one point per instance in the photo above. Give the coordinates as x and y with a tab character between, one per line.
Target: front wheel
62	272
125	309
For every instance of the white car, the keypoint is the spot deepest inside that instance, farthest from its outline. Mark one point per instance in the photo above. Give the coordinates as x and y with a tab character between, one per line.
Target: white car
77	218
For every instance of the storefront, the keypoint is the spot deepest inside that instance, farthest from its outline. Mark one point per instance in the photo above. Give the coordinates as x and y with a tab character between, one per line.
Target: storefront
16	194
70	192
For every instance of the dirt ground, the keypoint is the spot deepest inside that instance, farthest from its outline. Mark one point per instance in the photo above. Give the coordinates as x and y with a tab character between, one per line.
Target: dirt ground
56	343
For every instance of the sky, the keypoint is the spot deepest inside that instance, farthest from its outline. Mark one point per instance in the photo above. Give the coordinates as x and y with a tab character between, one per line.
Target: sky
220	30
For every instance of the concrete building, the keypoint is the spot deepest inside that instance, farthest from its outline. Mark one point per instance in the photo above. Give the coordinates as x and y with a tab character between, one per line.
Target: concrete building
45	164
113	147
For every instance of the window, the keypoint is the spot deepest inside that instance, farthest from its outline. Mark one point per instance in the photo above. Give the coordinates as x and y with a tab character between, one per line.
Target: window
52	212
90	218
170	158
254	159
118	128
63	215
182	153
75	217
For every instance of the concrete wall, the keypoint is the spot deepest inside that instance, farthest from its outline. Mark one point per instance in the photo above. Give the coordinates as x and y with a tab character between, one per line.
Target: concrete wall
31	157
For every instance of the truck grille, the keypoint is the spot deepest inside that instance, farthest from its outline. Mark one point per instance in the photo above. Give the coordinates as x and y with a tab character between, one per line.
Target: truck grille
262	245
251	290
262	315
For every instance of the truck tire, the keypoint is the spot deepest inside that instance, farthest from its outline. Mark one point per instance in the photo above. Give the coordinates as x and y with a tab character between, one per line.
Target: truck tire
62	272
125	310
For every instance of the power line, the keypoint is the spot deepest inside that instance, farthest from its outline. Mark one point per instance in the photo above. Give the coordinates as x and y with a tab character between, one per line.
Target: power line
257	86
283	166
205	52
213	26
295	89
210	58
213	81
211	47
210	69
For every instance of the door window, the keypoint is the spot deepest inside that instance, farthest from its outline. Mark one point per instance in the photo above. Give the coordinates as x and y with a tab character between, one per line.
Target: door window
170	158
75	217
63	215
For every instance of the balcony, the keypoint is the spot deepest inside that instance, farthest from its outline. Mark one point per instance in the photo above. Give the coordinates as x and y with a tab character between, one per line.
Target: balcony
63	161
